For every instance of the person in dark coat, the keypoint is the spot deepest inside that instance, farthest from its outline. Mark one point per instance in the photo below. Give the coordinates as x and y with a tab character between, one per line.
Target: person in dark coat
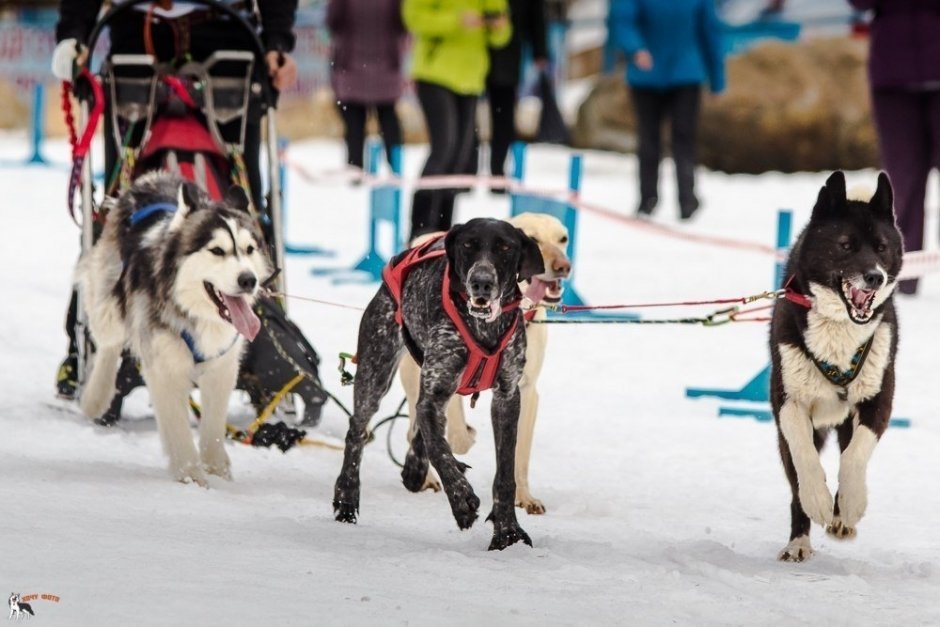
672	48
366	73
502	81
904	74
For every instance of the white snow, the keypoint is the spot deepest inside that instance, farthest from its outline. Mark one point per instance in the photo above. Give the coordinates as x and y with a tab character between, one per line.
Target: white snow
658	511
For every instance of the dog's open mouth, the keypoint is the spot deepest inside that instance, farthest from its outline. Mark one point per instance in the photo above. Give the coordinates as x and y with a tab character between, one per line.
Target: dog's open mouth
541	291
858	302
236	310
484	308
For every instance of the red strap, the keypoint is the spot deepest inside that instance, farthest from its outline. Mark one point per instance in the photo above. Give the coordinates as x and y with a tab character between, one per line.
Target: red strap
482	366
793	296
180	90
81	147
393	275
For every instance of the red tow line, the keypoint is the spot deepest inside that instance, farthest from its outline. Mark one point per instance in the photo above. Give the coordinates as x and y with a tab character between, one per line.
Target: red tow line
80	147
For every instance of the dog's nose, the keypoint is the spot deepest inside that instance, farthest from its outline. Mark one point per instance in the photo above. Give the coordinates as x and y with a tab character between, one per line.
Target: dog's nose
561	266
873	279
247	281
482	285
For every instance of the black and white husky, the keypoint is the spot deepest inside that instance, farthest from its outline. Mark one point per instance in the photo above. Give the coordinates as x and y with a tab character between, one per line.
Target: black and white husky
833	342
173	278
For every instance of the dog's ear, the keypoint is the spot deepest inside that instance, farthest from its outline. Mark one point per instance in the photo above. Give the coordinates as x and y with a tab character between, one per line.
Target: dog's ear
831	196
188	200
882	202
530	261
236	198
450	245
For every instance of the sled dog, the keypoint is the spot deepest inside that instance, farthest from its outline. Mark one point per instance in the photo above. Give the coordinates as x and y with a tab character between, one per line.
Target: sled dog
173	278
547	288
833	342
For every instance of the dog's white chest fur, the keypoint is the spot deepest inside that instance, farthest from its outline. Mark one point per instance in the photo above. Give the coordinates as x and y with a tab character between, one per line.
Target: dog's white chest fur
836	342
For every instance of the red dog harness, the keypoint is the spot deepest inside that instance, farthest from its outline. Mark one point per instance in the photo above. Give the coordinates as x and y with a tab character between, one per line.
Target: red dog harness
482	366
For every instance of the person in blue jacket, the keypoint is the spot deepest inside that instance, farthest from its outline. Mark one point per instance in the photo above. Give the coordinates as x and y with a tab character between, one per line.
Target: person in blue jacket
672	48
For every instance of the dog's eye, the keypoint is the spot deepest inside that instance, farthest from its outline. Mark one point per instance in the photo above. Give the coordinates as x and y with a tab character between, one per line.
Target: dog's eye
250	249
845	244
468	245
504	247
881	247
218	252
564	239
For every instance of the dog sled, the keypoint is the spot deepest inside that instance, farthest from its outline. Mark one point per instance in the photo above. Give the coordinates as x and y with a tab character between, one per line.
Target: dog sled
192	118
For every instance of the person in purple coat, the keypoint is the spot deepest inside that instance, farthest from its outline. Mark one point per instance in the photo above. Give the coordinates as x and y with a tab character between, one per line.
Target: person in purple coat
904	74
366	72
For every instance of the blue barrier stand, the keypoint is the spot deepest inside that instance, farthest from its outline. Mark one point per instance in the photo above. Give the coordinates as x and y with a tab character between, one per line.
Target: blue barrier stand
757	390
567	214
37	125
289	248
384	207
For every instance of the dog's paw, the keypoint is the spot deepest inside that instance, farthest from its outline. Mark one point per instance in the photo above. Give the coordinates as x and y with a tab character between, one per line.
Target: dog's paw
531	504
853	499
840	531
461	440
798	550
431	482
94	403
190	473
816	500
345	512
414	472
507	534
464	504
216	462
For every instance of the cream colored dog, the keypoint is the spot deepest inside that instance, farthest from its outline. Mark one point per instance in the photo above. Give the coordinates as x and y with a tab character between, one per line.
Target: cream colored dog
552	238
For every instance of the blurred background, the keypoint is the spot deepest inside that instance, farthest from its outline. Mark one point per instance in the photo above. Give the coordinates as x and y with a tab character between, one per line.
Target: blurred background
797	96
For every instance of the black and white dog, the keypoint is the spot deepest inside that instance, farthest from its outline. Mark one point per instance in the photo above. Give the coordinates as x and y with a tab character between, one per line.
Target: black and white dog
482	261
833	343
173	278
18	608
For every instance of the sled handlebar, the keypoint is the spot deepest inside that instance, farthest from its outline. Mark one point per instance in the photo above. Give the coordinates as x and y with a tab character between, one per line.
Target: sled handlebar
268	93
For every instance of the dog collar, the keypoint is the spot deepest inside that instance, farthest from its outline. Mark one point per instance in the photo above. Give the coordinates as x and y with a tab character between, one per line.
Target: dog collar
198	357
148	210
842	378
793	296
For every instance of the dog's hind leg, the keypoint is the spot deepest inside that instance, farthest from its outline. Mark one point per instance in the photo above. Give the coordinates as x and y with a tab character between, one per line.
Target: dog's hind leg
98	391
169	381
409	373
215	388
380	346
505	417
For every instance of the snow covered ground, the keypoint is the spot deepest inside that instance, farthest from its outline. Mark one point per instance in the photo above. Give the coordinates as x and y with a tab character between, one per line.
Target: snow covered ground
658	511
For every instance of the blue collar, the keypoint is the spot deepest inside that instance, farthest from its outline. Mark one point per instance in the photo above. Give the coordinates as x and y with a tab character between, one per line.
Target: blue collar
198	357
145	212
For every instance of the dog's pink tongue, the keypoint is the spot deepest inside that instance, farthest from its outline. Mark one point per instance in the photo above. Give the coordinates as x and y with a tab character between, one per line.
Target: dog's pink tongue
244	319
860	297
536	290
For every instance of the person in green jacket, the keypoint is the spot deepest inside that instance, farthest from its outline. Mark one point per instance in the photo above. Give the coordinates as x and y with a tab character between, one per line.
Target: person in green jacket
450	61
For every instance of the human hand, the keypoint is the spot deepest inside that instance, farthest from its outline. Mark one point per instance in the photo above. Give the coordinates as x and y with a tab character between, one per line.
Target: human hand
67	56
471	20
500	20
643	60
282	69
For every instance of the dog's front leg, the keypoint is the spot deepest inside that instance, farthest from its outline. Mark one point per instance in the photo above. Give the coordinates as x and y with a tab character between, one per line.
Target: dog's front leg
169	382
438	385
858	443
379	349
505	417
216	383
797	430
529	401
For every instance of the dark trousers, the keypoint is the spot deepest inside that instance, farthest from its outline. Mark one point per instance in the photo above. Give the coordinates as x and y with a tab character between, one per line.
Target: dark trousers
908	124
653	106
354	116
450	122
502	101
